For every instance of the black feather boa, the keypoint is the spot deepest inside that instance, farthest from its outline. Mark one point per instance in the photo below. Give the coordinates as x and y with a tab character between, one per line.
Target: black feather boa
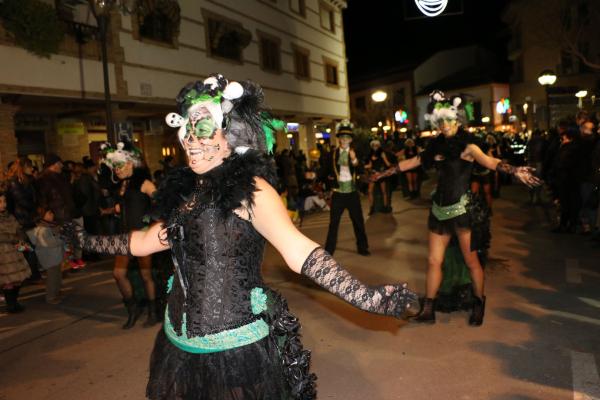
450	148
226	186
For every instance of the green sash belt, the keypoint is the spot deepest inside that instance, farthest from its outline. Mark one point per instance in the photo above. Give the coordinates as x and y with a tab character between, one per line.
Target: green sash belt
443	213
224	340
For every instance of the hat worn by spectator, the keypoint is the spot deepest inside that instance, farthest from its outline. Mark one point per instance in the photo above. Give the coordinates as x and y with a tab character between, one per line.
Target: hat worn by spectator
51	159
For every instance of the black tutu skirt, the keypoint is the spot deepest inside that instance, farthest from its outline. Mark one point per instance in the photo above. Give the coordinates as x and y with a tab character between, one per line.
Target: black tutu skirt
274	368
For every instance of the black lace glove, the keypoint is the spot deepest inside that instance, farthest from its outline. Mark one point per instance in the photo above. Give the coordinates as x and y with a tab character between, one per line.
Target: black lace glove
111	245
395	300
523	174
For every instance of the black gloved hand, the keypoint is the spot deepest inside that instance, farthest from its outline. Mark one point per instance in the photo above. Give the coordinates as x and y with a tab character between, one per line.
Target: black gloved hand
74	233
394	300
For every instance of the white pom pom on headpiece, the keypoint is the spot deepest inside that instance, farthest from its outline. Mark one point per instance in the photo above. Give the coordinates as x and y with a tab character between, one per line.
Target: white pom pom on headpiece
233	91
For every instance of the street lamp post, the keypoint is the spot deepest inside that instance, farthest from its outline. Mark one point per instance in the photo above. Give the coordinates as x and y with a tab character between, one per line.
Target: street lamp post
580	95
102	10
546	79
379	97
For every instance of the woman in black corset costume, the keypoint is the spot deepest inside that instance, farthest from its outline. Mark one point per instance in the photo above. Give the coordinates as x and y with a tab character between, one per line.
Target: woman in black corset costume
454	211
133	200
226	335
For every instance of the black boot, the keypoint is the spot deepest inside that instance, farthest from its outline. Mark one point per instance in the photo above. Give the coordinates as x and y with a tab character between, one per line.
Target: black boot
476	318
152	314
427	313
12	305
133	312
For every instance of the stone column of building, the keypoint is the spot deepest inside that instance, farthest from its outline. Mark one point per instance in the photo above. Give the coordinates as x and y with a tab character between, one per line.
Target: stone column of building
307	137
8	149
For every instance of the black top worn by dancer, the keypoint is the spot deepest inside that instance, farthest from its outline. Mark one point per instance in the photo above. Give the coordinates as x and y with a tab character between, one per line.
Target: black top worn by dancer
226	335
135	204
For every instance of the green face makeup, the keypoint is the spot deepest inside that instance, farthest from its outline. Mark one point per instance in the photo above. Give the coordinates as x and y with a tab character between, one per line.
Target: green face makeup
201	124
118	165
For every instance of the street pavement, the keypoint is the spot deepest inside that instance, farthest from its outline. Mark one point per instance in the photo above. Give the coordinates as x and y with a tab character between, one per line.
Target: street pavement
540	339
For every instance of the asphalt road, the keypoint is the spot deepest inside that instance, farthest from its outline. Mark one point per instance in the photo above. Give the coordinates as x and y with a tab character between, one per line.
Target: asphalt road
540	339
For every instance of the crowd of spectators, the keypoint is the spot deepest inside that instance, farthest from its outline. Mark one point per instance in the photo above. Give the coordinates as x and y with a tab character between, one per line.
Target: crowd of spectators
40	202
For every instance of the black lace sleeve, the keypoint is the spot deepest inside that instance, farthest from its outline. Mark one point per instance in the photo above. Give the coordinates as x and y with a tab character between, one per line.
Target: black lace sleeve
394	300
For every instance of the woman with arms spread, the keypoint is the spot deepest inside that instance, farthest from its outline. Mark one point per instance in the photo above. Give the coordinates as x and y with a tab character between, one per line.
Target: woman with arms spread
226	335
454	211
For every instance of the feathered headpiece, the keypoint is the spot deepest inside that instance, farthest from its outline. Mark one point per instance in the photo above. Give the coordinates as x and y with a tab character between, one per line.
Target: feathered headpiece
119	156
235	107
441	108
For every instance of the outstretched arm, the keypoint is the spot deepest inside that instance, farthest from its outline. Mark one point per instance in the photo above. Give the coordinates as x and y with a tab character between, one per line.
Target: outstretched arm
306	257
403	165
523	174
409	163
136	243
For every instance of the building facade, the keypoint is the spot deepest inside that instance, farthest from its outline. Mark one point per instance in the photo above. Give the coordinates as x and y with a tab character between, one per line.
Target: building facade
555	35
396	111
294	48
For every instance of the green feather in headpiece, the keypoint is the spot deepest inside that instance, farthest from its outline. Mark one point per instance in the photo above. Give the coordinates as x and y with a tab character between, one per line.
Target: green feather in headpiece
270	126
470	111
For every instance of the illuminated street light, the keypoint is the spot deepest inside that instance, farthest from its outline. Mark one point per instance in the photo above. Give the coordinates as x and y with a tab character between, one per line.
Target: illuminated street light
580	95
379	96
546	79
485	120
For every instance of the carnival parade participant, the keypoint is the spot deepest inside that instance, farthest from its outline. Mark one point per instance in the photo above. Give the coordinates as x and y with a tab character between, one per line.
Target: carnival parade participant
342	171
378	162
135	189
226	335
454	210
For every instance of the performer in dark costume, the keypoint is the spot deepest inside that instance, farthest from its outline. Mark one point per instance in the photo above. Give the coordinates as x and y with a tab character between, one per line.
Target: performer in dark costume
226	335
454	211
378	162
133	203
342	172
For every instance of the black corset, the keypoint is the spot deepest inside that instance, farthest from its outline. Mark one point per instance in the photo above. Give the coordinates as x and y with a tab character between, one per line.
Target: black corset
219	257
453	180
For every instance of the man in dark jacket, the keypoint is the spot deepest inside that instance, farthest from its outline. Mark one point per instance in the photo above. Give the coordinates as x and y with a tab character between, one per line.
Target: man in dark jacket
585	174
342	168
566	179
54	192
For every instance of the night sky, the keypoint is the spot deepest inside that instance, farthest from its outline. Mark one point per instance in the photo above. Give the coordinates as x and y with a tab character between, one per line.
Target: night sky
379	38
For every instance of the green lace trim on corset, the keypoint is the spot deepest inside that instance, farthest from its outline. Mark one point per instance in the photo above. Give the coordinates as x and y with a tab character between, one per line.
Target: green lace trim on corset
224	340
443	213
